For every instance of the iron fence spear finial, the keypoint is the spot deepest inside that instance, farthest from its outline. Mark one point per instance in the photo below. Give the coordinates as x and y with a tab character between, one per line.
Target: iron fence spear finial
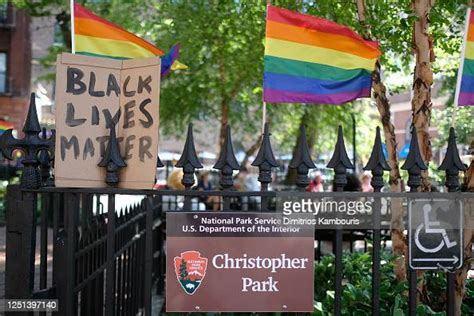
265	160
32	125
452	163
414	163
227	162
301	160
189	160
159	163
31	144
377	163
340	161
112	160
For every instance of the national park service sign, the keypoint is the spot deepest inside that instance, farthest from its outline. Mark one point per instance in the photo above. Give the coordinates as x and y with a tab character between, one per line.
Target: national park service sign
237	262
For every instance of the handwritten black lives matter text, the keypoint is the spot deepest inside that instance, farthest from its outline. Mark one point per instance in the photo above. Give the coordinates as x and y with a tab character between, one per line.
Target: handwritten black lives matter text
132	113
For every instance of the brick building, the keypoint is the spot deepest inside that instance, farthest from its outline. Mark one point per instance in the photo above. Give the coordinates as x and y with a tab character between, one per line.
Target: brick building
15	64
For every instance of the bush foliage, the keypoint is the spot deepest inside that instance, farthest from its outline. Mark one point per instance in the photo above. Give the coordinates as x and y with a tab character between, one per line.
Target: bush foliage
357	285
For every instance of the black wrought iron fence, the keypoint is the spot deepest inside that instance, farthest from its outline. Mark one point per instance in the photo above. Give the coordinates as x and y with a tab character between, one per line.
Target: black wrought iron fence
110	260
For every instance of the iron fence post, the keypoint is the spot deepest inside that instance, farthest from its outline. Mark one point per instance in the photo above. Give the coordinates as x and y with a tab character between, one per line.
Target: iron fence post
21	206
377	164
452	165
148	256
189	162
414	164
20	243
45	205
65	268
110	264
265	161
227	163
340	162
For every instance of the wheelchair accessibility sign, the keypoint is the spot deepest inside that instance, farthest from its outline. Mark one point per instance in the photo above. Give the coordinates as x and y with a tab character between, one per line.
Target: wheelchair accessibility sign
435	234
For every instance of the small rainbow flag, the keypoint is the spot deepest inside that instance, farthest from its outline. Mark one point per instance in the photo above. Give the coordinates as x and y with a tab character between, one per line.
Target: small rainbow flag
465	82
96	36
313	60
4	126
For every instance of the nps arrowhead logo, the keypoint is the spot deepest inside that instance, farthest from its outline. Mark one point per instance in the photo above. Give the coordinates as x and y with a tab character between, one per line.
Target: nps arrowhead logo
190	269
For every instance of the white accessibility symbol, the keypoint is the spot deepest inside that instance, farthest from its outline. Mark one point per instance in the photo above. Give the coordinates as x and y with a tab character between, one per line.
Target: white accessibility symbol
430	228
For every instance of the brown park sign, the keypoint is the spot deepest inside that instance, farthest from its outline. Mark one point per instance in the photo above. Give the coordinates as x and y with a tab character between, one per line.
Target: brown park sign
237	262
93	92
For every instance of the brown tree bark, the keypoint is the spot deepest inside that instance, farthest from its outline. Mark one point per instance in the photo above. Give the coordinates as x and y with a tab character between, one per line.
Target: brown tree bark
422	45
461	274
399	244
224	122
422	80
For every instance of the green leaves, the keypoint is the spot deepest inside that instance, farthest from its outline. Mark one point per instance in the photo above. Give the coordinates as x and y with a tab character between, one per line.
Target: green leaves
357	281
222	43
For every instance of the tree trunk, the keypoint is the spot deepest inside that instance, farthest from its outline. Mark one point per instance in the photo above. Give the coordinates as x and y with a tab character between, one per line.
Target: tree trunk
399	241
422	81
461	274
224	121
399	244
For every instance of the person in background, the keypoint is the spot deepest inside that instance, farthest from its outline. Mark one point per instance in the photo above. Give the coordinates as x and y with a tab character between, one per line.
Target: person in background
204	184
366	187
211	202
176	202
316	185
246	182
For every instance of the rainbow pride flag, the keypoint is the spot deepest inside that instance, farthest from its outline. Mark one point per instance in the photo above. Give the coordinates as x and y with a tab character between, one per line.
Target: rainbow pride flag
313	60
4	126
465	82
96	36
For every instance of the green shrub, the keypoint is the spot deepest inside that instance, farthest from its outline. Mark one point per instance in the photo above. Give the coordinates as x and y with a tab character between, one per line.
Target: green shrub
357	285
3	195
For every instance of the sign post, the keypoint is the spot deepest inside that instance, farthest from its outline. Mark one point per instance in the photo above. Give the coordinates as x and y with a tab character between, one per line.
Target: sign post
436	234
238	262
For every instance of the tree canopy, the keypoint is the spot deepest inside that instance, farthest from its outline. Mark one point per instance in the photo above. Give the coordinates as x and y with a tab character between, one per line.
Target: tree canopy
223	43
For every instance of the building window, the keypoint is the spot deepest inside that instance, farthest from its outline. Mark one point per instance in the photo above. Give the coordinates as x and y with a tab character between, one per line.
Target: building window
3	73
3	12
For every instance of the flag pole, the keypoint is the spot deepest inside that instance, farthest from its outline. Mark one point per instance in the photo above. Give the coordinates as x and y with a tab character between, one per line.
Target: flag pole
264	109
73	44
461	65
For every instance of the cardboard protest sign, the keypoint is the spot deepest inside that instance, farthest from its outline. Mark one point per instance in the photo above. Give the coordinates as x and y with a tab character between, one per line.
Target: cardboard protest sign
93	92
238	262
